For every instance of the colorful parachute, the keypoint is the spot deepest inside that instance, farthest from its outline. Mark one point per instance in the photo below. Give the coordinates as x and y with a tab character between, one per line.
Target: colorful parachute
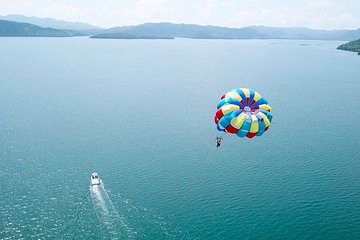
243	112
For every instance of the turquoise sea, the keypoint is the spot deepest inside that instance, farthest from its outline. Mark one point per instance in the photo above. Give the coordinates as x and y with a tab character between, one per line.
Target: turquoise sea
140	113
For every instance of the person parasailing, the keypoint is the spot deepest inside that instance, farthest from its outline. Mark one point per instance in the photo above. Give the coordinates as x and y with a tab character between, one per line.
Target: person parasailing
218	141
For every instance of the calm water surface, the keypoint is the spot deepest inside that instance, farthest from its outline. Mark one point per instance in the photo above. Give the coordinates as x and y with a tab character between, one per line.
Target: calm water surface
140	112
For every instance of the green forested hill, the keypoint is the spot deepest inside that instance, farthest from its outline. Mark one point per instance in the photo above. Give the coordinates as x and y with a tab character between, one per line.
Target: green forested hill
353	46
18	29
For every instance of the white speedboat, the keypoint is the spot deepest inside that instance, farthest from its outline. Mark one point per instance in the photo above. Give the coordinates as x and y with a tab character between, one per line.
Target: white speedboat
94	180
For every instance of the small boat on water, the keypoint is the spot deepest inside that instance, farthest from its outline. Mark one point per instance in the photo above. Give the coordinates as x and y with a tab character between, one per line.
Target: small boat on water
94	180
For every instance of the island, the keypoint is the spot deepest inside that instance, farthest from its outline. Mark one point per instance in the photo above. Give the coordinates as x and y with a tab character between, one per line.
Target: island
123	35
353	46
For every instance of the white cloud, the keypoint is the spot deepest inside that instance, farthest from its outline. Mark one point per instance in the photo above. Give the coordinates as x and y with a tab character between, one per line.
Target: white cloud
208	10
318	4
150	9
263	17
9	7
60	9
317	14
342	21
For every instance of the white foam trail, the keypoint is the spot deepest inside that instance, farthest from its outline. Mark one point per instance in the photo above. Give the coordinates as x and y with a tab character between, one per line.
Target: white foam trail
106	212
98	198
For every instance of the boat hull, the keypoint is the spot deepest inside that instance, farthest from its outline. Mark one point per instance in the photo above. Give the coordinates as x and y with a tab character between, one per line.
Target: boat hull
94	179
95	182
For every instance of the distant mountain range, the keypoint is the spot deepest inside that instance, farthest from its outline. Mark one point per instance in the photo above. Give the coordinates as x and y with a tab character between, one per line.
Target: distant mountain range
49	22
20	25
171	30
75	28
17	29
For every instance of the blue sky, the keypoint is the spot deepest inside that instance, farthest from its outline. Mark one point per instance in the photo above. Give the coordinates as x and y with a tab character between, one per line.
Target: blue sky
318	14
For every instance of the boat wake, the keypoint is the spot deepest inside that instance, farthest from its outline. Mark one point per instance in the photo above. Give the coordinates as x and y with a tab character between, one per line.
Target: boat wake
115	225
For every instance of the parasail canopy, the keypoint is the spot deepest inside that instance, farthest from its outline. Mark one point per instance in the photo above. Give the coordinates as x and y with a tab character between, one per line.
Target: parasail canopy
244	112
